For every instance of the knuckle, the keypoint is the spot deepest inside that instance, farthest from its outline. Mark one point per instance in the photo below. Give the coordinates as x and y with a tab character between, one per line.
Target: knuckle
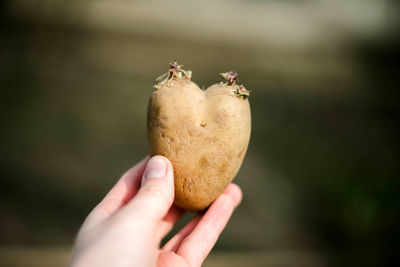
211	229
155	191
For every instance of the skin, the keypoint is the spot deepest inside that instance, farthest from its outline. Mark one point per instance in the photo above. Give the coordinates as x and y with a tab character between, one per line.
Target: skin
205	134
127	226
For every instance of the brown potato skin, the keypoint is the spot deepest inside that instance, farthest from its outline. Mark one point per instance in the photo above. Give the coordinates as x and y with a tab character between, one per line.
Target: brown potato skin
204	134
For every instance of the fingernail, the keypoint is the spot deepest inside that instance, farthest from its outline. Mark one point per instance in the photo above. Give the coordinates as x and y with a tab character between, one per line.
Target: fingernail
155	168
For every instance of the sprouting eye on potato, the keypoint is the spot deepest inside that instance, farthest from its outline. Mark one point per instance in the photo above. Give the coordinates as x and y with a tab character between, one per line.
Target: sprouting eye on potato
204	133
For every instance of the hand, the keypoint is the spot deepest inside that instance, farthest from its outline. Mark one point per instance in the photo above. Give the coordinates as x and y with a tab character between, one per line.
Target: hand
127	226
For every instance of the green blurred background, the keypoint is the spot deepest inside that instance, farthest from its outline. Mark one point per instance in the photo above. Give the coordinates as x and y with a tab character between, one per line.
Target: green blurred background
321	176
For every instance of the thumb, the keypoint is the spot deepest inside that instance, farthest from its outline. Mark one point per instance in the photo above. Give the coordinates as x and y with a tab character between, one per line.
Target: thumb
156	194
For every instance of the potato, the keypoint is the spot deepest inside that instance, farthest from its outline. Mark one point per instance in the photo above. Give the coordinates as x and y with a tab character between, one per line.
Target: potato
204	133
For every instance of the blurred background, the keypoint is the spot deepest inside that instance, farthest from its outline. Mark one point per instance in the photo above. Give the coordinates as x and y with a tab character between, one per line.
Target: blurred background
321	176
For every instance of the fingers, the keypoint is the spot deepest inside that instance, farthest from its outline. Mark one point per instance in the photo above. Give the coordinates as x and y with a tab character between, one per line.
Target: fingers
174	243
156	194
125	188
121	193
196	246
168	222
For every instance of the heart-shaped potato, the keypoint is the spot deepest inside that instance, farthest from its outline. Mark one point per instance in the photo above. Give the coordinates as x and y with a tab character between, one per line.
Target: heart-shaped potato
204	133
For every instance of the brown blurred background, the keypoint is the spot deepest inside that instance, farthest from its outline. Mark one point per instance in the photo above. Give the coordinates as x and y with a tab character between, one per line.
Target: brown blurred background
321	176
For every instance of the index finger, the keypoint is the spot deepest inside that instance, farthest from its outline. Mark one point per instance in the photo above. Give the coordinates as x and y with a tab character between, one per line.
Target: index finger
121	193
198	244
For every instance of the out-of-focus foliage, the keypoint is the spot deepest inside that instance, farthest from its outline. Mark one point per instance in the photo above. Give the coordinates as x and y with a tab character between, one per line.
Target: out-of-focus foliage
321	171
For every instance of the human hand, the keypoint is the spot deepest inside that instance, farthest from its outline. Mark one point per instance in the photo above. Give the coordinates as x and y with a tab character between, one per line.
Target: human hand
127	226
